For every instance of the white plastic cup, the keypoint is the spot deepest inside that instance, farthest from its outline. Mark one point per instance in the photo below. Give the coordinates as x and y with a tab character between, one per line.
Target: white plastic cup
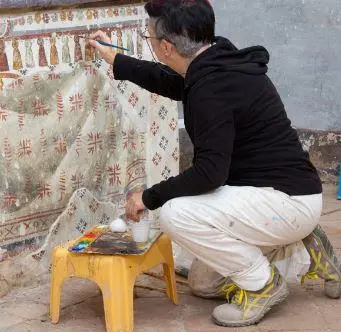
140	230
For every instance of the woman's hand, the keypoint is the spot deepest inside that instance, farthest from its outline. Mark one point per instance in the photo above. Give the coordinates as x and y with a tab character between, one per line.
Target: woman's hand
134	205
107	52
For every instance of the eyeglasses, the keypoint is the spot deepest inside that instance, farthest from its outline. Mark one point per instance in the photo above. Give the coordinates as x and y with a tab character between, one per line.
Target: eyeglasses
146	36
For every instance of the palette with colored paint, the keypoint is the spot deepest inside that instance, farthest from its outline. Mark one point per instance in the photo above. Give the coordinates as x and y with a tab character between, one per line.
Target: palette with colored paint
87	239
101	240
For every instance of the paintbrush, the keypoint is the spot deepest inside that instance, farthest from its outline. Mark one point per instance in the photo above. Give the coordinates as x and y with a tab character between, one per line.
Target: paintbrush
107	44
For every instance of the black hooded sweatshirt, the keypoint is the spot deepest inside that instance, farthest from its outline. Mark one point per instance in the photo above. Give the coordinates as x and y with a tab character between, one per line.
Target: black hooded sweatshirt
235	119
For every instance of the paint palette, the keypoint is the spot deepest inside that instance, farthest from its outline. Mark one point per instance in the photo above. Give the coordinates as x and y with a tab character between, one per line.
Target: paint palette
85	241
101	240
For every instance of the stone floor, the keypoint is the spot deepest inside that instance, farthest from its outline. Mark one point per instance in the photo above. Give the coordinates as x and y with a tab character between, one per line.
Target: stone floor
306	309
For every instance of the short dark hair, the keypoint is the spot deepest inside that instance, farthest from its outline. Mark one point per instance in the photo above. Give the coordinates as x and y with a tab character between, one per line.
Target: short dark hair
193	18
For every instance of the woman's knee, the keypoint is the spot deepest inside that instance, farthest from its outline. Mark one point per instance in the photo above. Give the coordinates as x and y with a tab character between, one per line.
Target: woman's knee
168	215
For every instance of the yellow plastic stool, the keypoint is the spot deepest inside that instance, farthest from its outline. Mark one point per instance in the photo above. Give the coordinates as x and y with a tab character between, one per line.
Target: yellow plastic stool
115	276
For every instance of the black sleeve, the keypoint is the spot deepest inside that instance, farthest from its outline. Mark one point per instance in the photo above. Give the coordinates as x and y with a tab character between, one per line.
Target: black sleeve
214	134
151	76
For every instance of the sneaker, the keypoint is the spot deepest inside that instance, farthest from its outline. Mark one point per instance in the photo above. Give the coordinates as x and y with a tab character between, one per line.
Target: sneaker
248	308
205	282
324	263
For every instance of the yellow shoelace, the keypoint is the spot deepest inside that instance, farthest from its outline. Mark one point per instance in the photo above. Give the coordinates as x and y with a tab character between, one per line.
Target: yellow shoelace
310	275
318	266
229	290
241	296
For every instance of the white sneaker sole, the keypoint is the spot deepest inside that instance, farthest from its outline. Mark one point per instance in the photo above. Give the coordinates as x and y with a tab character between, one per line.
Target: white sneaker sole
281	294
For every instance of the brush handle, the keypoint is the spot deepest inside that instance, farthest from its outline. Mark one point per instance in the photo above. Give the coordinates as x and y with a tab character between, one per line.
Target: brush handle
107	44
111	45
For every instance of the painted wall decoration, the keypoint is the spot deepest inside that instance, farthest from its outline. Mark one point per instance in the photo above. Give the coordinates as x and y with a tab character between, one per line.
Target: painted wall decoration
66	124
45	3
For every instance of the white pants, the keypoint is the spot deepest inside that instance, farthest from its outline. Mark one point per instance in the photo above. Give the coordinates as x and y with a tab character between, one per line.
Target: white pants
227	228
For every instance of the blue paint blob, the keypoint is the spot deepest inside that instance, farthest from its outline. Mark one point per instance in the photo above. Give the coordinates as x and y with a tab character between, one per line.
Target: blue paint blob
76	249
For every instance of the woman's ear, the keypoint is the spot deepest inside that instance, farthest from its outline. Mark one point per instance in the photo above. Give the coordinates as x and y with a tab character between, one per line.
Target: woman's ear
166	47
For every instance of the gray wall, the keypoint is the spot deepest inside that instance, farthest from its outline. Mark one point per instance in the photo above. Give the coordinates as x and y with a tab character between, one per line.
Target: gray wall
304	41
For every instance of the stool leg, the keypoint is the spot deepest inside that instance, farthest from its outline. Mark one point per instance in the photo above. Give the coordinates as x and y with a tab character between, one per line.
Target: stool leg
169	272
118	301
57	278
170	281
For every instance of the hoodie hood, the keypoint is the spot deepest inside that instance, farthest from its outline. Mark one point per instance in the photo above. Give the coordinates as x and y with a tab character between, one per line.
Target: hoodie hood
224	56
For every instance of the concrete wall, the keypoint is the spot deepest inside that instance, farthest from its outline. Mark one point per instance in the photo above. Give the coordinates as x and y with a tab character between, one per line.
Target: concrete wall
304	41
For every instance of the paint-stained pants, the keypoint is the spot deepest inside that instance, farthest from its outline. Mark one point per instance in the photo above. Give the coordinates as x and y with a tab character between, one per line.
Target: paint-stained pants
227	228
